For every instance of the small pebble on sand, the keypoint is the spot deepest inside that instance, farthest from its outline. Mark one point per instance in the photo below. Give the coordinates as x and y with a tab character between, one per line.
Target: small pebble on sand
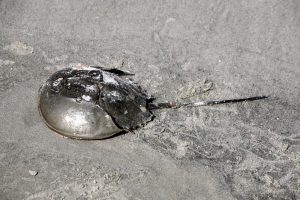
33	173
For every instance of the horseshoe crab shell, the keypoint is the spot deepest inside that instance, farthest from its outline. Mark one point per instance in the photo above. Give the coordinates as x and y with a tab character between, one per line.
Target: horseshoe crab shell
92	103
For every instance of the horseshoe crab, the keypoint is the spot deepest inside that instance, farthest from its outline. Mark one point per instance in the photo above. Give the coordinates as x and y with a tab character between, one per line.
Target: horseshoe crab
97	103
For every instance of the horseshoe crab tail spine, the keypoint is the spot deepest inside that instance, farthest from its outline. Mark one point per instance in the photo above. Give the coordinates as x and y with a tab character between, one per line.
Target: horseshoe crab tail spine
202	103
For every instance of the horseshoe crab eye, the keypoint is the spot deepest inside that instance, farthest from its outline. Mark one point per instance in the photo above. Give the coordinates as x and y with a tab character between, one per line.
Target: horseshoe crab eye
67	105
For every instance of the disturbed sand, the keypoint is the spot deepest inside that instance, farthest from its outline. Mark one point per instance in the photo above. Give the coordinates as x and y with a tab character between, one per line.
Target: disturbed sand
178	50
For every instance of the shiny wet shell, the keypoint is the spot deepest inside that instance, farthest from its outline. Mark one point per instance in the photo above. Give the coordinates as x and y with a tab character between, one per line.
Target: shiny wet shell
92	103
